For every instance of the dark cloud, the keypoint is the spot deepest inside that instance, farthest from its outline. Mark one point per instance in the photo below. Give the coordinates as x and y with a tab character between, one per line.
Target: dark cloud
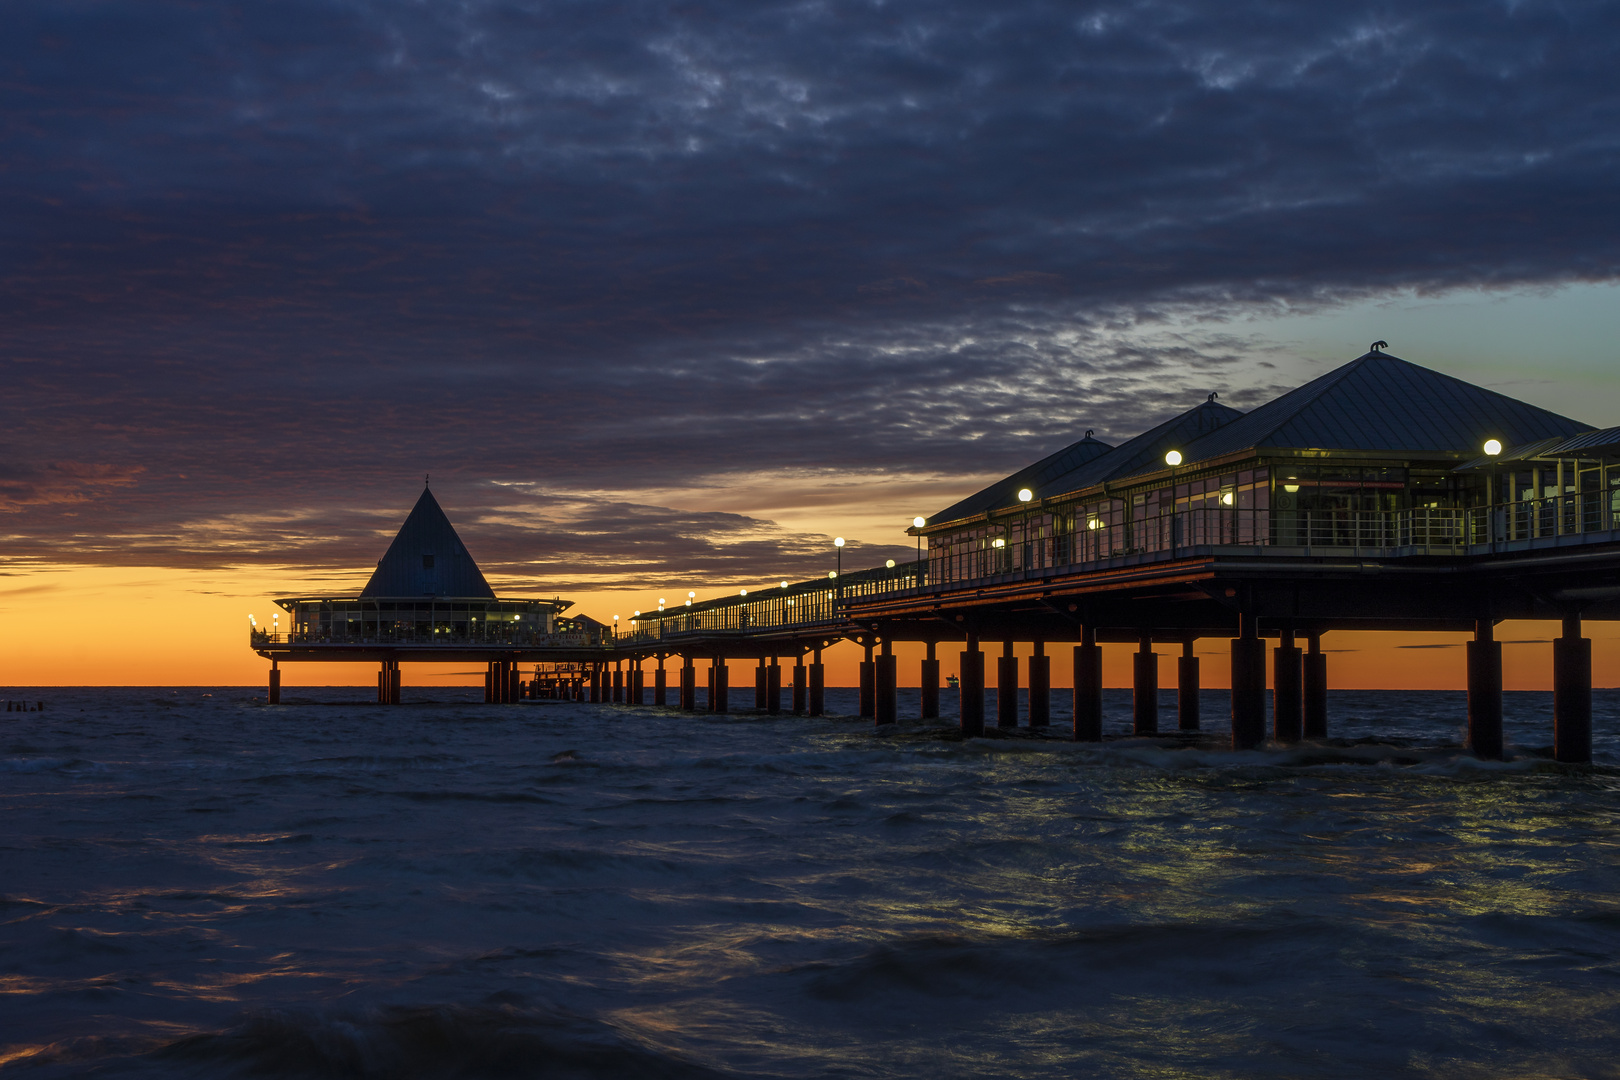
287	253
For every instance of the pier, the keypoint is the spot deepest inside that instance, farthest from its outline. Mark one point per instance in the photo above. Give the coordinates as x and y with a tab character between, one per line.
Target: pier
1381	495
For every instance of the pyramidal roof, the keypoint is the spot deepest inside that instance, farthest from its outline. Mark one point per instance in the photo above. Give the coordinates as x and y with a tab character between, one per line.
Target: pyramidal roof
1090	461
1146	451
427	558
1381	402
1037	477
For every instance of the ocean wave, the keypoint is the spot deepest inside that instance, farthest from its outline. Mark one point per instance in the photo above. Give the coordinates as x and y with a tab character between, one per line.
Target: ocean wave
49	764
490	1040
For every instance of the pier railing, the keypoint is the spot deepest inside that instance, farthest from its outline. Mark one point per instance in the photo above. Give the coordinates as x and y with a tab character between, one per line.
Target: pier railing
1589	517
492	636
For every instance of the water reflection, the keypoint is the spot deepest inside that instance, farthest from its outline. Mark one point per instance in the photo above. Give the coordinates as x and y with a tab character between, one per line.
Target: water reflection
789	898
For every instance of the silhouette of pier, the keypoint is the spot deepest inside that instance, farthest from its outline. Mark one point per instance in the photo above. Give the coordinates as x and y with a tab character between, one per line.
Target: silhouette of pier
1381	495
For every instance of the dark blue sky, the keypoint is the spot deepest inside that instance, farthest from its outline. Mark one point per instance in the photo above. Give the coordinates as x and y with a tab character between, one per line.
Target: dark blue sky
263	265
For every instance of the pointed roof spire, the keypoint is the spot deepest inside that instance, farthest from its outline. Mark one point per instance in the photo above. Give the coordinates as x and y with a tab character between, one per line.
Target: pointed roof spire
427	558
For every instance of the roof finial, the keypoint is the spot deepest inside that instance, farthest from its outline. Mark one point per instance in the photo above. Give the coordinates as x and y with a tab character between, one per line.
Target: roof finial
1377	345
1213	394
1090	432
425	478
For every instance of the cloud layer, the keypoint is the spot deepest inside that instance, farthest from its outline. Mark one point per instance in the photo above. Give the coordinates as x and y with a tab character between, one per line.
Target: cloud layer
289	254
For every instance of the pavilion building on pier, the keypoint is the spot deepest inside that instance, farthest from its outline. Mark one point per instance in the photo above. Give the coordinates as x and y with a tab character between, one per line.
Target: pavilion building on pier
426	600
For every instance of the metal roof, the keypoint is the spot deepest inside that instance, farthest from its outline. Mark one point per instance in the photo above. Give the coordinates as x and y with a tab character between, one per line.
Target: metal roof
1089	461
1589	445
1146	451
1601	443
427	558
1381	402
1041	478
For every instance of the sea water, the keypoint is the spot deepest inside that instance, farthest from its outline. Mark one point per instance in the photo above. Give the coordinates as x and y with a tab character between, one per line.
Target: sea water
193	883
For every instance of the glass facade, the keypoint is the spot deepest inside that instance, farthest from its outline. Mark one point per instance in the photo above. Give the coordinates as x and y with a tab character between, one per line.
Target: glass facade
421	622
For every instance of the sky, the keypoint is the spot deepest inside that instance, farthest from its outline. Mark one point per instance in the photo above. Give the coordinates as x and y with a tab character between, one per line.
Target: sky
664	296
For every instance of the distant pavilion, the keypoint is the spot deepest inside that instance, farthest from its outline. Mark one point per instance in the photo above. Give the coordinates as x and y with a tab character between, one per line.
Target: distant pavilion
426	601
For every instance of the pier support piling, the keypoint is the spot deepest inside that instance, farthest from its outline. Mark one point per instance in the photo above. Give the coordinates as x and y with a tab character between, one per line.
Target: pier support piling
688	692
1187	712
800	685
868	684
1088	687
1248	685
1313	692
887	705
273	697
773	687
637	683
759	685
1287	720
1040	687
618	682
1485	692
1006	687
971	694
1572	694
719	686
596	684
1145	698
660	684
818	686
930	685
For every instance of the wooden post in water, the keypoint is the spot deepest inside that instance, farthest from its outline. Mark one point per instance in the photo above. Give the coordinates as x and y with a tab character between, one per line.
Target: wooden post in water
618	682
1007	687
800	685
930	685
1040	686
1287	718
1145	688
773	687
661	683
971	693
1088	687
1187	713
688	698
1572	694
886	706
1485	692
1248	685
274	695
759	685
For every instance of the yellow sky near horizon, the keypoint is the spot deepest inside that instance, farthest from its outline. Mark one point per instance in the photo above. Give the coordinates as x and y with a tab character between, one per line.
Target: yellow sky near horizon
68	625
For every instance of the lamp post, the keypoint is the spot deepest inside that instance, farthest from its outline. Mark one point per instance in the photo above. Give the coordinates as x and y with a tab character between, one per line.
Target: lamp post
1172	459
838	575
1492	448
917	523
1025	496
